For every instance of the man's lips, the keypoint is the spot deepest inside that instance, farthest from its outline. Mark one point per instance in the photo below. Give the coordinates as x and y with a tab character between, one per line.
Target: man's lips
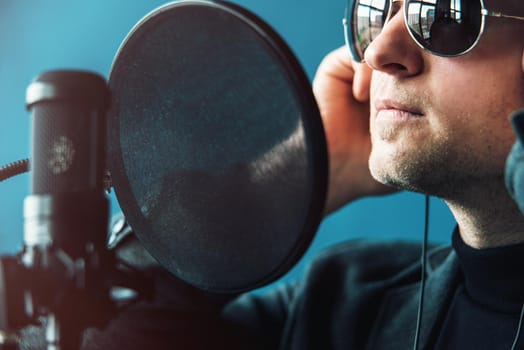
392	109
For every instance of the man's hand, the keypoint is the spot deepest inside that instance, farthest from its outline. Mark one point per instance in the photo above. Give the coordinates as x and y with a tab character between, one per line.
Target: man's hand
341	88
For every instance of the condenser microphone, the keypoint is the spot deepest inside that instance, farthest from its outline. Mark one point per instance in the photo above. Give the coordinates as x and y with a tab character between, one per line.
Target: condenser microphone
66	213
68	111
514	176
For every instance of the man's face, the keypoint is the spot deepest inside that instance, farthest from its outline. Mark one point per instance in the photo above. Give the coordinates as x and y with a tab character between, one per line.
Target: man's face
440	125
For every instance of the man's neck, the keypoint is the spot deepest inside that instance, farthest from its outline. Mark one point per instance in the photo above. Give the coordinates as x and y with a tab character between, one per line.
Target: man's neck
491	219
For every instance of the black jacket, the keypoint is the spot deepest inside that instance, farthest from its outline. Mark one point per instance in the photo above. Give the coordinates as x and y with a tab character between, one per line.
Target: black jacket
355	295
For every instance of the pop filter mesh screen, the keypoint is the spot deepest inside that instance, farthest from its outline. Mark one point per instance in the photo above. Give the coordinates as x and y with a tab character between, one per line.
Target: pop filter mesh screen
215	148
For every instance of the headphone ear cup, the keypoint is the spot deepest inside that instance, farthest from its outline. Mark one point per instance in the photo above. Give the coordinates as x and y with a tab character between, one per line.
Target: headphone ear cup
514	176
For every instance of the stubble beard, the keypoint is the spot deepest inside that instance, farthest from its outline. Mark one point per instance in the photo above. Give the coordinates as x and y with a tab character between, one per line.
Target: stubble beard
432	168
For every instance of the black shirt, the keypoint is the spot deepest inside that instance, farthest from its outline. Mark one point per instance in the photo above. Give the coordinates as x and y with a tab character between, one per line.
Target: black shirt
484	312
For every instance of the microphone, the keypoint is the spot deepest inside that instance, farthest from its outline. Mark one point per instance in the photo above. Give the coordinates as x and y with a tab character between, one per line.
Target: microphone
68	111
65	215
514	176
65	278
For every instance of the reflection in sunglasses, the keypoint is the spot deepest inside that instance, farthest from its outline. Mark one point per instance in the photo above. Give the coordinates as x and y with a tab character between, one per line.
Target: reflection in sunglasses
443	27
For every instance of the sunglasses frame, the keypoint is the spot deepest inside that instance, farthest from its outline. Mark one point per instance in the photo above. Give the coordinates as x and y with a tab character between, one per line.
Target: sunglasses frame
357	56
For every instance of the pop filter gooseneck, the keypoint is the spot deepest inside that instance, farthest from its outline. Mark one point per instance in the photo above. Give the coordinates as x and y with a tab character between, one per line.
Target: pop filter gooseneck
216	147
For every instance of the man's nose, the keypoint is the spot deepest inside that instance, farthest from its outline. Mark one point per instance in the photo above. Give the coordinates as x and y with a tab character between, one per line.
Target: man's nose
394	51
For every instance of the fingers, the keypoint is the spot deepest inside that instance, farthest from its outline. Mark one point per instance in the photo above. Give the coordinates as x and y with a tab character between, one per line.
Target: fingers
362	82
337	69
334	68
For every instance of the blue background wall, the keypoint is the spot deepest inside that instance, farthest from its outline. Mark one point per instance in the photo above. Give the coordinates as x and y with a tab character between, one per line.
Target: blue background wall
36	36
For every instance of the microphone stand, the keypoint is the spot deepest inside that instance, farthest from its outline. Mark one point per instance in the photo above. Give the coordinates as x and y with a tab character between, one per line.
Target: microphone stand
61	284
69	259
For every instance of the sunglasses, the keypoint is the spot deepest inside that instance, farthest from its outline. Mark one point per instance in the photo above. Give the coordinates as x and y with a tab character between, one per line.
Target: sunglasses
443	27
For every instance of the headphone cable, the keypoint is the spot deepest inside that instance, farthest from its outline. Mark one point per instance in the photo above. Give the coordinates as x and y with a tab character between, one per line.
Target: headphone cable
519	328
423	261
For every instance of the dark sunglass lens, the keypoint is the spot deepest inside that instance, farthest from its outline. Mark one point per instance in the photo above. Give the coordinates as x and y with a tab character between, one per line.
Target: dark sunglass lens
445	27
366	19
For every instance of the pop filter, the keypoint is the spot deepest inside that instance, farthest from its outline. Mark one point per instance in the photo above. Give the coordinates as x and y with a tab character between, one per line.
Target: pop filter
216	148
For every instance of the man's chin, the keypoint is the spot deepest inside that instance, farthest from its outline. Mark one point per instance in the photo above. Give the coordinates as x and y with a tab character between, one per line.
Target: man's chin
396	178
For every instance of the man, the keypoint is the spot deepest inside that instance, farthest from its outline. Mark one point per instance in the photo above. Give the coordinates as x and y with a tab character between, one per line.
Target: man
438	125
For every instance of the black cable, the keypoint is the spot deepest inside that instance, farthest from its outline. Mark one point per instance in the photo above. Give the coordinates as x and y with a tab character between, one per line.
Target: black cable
423	260
13	169
519	328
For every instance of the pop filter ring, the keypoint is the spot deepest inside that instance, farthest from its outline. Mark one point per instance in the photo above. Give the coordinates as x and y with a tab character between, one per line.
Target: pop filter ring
313	133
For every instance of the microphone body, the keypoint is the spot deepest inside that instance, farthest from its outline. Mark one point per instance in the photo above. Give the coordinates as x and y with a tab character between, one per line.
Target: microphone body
68	111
